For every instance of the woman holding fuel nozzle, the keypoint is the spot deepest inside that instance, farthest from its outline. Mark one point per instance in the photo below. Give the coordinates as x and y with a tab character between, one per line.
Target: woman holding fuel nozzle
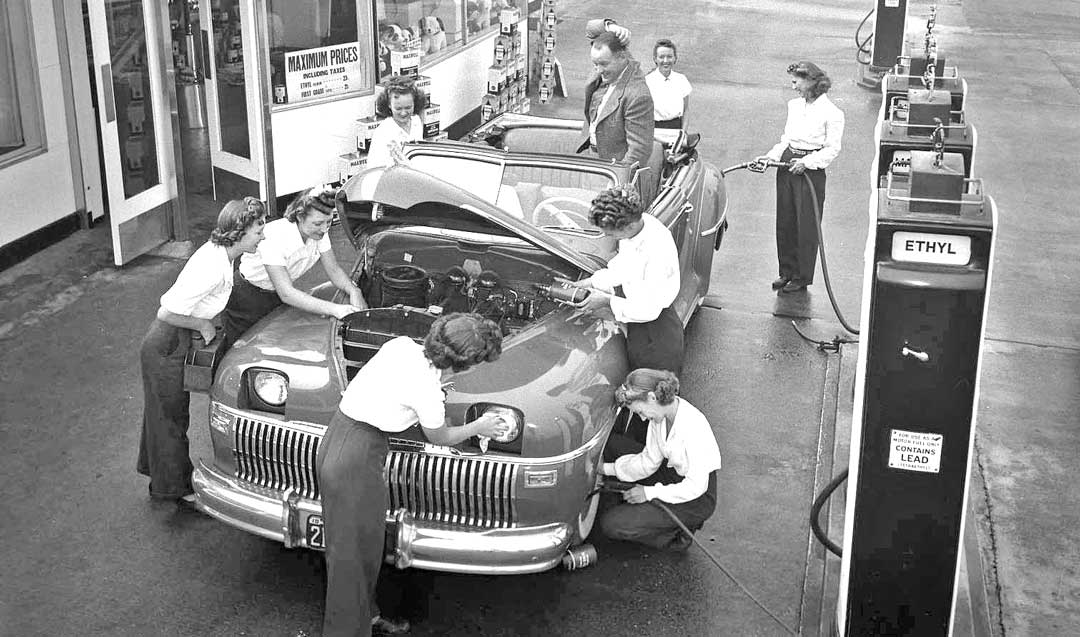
400	386
293	245
187	308
811	141
677	465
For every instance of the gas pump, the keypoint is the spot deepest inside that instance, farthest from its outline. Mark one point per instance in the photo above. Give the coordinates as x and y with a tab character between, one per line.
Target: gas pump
910	72
920	120
887	41
926	284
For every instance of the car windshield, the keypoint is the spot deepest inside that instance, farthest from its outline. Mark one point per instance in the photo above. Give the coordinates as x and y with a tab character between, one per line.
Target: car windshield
547	196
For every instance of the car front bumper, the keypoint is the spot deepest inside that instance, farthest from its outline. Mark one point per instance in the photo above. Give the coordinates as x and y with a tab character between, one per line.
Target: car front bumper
418	544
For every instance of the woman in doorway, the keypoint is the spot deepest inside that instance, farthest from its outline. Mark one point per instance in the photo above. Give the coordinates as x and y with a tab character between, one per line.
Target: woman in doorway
677	465
294	244
398	103
811	141
400	386
188	309
670	89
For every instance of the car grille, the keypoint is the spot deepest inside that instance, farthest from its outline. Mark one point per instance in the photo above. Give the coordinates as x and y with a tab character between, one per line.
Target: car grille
456	490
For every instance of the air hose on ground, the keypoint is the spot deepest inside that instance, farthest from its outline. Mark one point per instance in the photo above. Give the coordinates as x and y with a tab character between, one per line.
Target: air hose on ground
612	485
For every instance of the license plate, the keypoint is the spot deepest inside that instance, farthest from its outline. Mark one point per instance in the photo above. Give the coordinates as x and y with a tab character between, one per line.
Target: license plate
316	533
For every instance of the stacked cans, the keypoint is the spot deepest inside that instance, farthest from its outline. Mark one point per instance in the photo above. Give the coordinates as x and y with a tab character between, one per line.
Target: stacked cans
506	84
545	88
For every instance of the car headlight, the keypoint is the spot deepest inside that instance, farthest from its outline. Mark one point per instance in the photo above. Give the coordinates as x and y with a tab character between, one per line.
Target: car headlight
511	440
271	387
511	417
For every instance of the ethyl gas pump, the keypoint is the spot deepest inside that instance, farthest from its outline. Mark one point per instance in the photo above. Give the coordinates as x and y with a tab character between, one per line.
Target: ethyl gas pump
926	284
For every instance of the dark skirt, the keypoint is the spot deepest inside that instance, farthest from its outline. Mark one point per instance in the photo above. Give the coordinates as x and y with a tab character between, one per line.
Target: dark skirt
350	466
675	123
247	304
796	221
657	344
163	446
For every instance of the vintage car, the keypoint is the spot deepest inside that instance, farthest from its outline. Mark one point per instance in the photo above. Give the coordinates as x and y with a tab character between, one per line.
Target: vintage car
488	226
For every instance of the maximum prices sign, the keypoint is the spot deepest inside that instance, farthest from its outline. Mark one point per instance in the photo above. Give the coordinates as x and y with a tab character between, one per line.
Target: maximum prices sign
915	451
328	70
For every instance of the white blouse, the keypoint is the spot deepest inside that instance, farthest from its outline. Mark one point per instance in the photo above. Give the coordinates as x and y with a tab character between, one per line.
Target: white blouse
668	94
387	135
203	287
284	246
688	445
817	126
647	268
396	388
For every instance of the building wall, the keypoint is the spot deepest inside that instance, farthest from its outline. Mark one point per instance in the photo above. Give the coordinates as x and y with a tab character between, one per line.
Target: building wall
38	191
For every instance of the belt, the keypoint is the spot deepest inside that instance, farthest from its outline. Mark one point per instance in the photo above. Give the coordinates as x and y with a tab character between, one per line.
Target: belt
798	152
263	290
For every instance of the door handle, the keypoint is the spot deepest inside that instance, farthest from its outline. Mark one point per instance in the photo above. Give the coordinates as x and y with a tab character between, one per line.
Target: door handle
107	92
206	65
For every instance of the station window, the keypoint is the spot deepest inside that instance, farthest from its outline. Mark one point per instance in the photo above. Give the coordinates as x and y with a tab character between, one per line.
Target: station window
434	26
316	50
21	132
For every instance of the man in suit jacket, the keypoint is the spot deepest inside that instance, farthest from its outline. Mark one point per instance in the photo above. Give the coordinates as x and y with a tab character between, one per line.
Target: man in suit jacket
618	105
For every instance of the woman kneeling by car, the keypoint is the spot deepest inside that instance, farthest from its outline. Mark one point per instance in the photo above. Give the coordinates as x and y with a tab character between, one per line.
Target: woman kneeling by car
677	466
400	386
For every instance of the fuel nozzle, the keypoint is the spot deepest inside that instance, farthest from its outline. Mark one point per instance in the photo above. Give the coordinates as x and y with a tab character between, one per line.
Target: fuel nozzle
561	291
761	166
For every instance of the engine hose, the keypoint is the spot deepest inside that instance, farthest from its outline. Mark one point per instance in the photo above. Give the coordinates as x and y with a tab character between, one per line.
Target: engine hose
674	518
815	514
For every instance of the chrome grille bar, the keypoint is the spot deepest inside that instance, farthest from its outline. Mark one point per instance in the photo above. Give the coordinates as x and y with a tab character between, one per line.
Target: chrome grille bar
456	490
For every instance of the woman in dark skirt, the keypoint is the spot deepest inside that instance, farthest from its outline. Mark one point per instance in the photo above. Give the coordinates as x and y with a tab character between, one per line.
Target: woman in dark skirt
187	308
402	385
676	466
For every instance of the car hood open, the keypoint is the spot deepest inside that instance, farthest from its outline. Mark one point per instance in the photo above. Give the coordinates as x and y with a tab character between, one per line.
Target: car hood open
402	188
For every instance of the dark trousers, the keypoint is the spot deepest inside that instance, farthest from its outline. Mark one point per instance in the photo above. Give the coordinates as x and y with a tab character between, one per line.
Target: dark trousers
675	123
657	344
163	446
247	304
646	523
350	465
796	227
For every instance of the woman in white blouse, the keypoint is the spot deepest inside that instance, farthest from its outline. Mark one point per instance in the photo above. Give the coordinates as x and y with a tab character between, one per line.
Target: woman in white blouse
398	103
670	89
677	465
401	386
294	244
187	308
811	141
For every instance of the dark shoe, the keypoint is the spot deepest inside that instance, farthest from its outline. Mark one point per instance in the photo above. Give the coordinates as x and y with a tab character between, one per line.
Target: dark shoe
385	626
681	543
793	286
780	282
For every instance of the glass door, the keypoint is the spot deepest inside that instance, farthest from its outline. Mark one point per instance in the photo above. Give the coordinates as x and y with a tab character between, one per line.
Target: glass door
233	97
136	119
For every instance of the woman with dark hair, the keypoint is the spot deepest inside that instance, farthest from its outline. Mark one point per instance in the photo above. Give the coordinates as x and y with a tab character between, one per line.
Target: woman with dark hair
811	141
398	102
402	385
670	89
187	308
676	466
294	244
640	282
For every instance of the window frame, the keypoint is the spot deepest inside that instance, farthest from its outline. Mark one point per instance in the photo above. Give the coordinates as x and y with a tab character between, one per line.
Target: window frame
27	83
365	17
